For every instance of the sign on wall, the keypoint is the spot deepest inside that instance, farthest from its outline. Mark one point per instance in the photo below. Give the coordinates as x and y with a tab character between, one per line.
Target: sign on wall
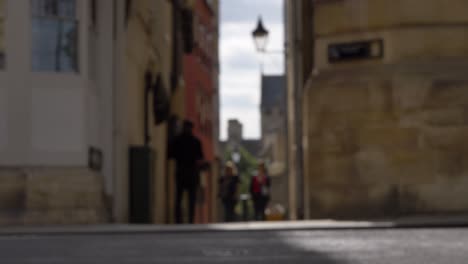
359	50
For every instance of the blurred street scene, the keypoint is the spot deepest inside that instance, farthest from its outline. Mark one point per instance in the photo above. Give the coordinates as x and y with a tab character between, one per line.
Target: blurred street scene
124	114
254	131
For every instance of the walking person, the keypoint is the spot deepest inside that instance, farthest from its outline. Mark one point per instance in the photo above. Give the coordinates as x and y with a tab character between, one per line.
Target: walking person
260	191
186	150
229	191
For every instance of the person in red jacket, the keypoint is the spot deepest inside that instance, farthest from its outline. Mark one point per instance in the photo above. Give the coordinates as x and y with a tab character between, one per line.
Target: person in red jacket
260	191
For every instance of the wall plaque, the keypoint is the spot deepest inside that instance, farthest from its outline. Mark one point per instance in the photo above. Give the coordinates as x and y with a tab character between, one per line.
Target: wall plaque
359	50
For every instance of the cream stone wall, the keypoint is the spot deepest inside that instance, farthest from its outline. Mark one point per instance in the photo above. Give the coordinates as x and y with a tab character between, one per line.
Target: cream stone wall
39	196
382	143
334	17
149	47
387	137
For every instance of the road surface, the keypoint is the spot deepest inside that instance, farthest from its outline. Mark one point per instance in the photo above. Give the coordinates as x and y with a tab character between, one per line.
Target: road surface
376	246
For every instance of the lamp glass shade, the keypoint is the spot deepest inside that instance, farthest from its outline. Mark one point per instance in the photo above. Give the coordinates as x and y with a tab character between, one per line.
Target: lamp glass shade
260	36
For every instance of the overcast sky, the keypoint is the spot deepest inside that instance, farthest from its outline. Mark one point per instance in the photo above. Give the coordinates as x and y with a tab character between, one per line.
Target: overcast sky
240	70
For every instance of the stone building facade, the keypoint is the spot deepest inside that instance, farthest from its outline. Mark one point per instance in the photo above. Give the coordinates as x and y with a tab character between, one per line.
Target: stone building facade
151	42
54	112
384	106
274	135
81	84
177	42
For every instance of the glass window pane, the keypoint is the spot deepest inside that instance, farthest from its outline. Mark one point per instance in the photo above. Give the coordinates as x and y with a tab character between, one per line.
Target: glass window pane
58	8
54	45
44	7
54	36
68	46
66	8
45	44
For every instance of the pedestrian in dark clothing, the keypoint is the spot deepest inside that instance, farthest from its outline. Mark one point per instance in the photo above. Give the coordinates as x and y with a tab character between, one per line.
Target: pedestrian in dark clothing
229	191
260	191
186	150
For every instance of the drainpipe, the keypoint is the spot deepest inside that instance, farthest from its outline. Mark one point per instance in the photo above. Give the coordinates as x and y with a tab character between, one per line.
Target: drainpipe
148	82
175	44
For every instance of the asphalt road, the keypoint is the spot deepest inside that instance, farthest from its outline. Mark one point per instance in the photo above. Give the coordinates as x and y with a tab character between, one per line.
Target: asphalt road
390	246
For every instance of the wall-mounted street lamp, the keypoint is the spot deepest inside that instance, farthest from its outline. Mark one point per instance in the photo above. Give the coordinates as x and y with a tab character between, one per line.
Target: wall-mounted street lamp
260	36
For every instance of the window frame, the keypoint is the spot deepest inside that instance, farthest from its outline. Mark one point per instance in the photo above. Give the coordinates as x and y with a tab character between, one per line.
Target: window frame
92	41
59	18
3	21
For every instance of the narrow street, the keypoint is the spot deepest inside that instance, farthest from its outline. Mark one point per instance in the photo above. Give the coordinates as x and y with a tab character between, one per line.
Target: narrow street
407	246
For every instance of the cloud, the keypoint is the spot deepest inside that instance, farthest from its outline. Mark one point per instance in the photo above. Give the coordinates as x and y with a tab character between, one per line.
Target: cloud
240	34
247	10
241	60
240	81
239	101
240	63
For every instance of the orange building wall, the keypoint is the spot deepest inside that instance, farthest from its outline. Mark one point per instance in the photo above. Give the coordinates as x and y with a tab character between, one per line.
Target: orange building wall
199	69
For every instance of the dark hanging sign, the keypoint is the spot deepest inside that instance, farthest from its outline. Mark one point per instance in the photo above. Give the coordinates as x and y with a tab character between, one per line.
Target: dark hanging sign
161	103
359	50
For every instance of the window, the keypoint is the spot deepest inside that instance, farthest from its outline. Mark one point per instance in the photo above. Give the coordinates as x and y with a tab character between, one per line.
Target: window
54	36
92	40
2	33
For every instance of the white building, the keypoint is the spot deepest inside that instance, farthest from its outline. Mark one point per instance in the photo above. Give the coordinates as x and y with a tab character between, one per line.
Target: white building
57	92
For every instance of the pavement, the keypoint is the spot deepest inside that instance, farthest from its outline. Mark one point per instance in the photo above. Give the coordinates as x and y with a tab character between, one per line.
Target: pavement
442	221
